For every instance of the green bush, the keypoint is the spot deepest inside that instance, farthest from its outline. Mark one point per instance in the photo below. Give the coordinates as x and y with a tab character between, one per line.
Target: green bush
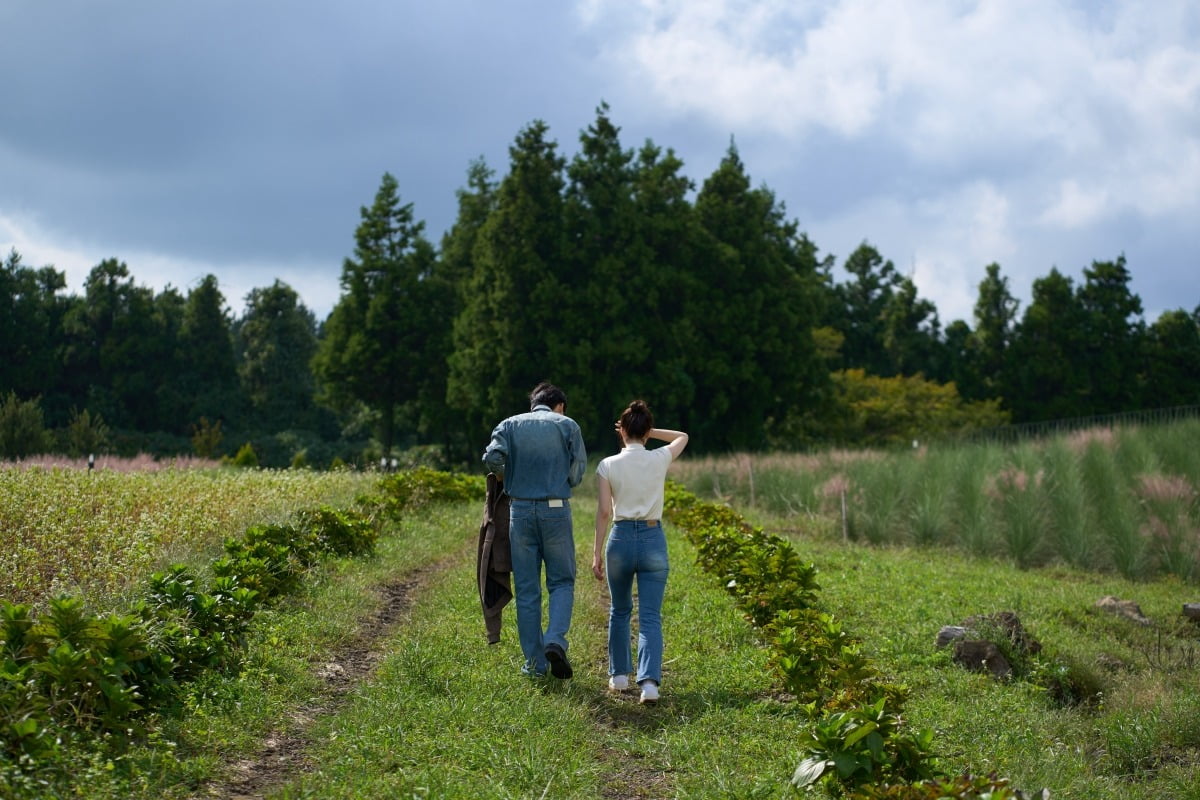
246	457
340	532
21	430
864	746
86	434
404	491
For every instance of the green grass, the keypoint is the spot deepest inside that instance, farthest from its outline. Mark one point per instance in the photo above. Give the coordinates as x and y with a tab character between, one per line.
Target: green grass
1141	740
446	715
1080	499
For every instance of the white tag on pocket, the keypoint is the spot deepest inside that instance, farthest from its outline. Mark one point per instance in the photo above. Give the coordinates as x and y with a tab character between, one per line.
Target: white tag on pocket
554	503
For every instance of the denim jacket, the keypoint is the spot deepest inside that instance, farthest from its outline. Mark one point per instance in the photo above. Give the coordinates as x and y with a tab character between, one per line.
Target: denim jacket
540	454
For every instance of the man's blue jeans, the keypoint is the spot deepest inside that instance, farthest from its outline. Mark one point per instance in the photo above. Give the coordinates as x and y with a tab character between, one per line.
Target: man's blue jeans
541	534
636	549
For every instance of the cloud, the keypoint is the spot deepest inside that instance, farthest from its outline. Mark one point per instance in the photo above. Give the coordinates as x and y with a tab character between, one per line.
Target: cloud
1032	133
1075	207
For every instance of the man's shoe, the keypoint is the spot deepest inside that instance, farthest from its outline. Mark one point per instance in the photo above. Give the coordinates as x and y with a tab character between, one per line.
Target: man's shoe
649	692
618	683
559	666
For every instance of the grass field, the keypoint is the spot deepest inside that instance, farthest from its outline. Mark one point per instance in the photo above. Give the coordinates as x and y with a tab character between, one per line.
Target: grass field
1123	500
65	529
377	681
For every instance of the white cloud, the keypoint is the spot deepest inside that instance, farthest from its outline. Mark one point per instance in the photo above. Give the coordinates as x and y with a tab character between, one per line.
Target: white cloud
1075	207
945	82
1031	133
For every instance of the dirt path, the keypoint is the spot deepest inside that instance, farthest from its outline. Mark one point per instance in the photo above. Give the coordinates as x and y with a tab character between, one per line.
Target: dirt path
284	751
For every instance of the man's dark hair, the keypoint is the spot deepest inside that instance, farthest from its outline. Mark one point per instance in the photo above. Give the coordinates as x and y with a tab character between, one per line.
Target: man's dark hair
547	394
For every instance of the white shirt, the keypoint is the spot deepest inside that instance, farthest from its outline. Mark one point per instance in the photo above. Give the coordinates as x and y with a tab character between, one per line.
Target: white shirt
636	476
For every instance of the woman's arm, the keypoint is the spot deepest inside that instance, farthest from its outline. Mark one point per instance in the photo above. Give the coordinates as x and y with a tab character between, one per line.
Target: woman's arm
604	514
676	440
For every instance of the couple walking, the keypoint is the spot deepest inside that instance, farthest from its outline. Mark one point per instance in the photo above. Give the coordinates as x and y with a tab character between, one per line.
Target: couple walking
540	456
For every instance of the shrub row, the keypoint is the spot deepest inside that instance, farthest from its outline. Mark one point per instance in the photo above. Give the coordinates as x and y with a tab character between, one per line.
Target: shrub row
67	673
404	491
856	744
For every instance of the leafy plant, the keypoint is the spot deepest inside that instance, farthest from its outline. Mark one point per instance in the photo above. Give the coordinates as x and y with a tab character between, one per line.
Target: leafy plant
862	746
406	490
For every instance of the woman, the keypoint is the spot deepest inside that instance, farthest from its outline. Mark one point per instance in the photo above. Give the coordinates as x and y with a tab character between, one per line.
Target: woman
630	487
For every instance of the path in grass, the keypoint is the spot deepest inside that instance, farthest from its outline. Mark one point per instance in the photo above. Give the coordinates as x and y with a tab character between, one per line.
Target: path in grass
411	701
420	705
283	753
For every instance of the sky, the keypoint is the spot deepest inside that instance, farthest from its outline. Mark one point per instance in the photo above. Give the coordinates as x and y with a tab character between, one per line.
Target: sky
242	139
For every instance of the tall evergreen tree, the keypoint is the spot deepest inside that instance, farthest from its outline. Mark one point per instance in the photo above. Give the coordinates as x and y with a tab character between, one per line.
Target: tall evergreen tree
602	344
277	339
995	319
456	269
518	290
1172	372
912	333
752	301
1113	333
121	347
1046	358
669	236
376	345
859	316
31	311
209	374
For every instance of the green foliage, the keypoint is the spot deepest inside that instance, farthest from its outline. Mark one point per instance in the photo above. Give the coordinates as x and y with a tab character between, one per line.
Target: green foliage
21	430
818	661
86	434
69	668
863	746
856	735
408	490
889	411
206	437
339	531
246	457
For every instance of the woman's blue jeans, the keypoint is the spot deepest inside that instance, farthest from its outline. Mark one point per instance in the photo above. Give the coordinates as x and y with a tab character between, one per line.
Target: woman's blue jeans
636	549
537	534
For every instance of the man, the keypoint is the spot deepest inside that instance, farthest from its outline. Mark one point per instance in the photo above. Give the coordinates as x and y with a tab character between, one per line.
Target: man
540	457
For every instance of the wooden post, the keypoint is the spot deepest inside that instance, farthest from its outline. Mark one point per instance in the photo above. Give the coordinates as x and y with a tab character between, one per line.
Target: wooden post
750	469
845	524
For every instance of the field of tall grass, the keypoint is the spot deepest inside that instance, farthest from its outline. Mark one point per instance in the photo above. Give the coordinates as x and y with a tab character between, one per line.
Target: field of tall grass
93	533
1124	500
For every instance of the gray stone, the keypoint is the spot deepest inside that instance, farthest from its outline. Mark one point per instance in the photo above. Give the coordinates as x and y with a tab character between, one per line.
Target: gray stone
950	633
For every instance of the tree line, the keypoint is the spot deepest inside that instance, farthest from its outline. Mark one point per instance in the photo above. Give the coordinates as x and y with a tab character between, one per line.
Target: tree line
611	273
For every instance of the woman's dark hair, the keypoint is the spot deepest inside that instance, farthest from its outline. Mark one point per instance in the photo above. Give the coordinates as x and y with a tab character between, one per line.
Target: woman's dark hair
636	420
547	394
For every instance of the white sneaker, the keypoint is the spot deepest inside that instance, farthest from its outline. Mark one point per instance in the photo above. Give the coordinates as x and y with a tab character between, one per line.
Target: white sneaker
649	692
618	683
